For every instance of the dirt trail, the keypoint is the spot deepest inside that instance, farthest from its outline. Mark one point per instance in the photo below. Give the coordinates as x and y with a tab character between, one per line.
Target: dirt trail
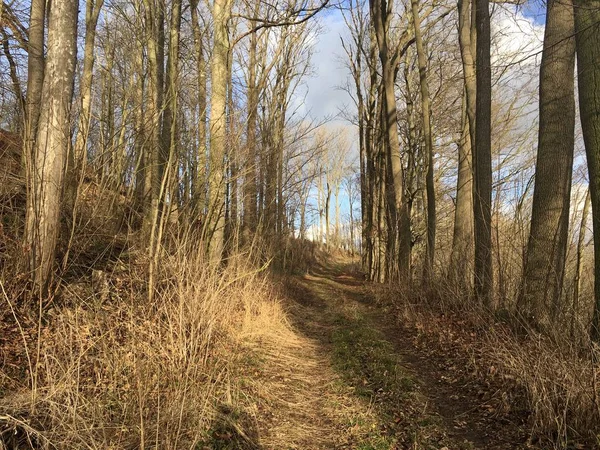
363	384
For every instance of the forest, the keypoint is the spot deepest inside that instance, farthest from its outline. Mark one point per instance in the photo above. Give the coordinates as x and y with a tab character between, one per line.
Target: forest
217	234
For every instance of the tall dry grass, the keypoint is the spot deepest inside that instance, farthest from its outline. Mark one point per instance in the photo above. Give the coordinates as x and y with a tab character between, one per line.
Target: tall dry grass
113	370
551	379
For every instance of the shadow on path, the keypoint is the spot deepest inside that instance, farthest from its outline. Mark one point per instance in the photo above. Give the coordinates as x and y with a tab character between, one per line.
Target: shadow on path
413	405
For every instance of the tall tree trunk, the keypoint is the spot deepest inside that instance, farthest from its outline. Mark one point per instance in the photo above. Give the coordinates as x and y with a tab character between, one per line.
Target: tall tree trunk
35	80
462	240
35	75
52	143
250	213
547	245
199	182
579	261
467	34
154	11
380	13
587	33
218	124
169	124
92	12
482	158
427	134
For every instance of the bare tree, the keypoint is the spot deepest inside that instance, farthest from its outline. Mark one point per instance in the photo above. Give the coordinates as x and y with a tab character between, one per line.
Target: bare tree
218	103
587	33
482	158
52	143
428	137
547	246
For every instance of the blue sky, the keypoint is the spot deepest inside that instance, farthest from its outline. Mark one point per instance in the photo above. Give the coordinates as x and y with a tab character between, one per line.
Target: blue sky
536	10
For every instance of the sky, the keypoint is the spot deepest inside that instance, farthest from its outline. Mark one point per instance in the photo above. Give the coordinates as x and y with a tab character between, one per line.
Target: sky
322	94
519	32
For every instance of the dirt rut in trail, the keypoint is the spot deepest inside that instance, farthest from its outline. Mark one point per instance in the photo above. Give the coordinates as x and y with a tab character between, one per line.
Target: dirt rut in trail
359	381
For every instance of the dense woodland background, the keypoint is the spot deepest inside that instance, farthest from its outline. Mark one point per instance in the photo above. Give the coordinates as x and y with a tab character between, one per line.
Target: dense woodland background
156	160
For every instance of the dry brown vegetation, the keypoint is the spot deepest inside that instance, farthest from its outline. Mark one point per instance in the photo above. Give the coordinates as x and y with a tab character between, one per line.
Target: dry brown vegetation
547	380
108	369
176	226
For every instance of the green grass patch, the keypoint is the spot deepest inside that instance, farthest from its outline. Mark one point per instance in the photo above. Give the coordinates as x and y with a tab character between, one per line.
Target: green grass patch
367	361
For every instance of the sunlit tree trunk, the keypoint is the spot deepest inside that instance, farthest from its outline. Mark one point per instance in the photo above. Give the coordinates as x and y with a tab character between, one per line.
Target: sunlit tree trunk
52	143
169	124
218	123
35	75
380	15
92	12
462	239
547	245
154	153
427	135
579	261
467	34
199	182
250	194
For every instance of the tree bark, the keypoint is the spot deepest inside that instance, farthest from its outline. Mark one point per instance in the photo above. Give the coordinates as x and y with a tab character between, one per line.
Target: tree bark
482	158
52	143
199	182
548	237
250	191
35	75
428	137
587	34
92	12
218	124
380	13
462	240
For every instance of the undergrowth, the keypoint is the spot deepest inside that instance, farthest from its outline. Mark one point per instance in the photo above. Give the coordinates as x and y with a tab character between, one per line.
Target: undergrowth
547	379
108	368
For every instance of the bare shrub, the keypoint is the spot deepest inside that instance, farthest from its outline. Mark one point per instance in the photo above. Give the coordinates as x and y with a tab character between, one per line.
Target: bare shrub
121	372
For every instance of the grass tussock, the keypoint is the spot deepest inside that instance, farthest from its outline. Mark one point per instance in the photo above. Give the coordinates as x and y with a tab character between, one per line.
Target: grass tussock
111	369
549	381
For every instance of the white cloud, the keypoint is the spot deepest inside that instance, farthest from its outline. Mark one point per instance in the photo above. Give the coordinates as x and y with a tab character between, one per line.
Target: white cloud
516	38
320	95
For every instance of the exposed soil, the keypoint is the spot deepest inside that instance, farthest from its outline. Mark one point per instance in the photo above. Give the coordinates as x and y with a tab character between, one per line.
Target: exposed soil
368	382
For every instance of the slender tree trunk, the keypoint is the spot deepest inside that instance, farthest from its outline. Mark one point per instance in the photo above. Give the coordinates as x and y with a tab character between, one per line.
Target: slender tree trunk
218	125
482	158
587	33
579	262
52	143
199	193
169	125
35	74
35	80
154	152
380	12
250	213
467	34
92	12
14	78
428	137
462	240
547	245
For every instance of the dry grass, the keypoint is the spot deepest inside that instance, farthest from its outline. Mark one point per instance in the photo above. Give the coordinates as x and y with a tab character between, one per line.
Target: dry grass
549	379
112	370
